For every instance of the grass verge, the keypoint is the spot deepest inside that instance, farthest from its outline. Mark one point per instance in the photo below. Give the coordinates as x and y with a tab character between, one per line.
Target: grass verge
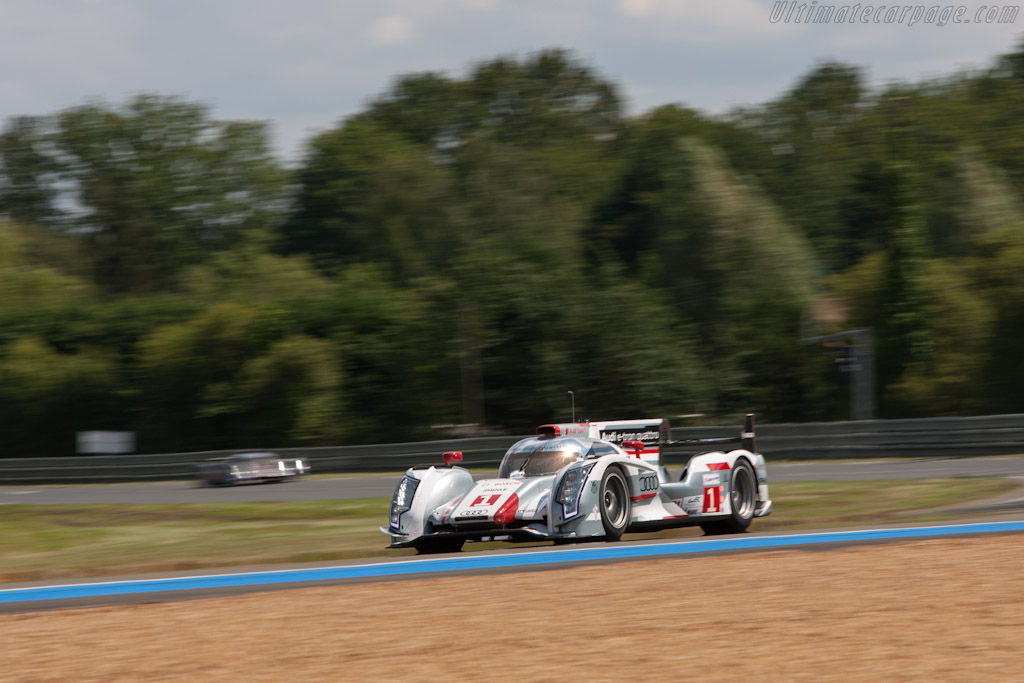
39	542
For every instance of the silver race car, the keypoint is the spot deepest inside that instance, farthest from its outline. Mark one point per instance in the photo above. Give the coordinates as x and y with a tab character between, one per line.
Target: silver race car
250	468
574	482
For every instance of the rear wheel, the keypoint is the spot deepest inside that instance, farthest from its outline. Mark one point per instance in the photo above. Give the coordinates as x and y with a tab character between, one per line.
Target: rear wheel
614	504
743	499
440	545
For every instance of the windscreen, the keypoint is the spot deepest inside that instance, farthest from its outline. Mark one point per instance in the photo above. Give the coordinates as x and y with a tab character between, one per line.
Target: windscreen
536	462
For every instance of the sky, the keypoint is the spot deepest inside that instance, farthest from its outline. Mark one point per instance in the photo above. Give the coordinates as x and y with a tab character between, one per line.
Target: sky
304	65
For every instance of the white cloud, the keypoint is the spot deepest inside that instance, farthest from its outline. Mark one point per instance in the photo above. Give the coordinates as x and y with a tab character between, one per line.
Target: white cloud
636	8
391	30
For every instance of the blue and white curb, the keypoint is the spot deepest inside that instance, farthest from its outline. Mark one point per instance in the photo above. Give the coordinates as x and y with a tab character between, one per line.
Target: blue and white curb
481	561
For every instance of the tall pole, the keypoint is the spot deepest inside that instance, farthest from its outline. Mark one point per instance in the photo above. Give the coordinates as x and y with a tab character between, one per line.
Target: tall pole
862	369
862	380
573	396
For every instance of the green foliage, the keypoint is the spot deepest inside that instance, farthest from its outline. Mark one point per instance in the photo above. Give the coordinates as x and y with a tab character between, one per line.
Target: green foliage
987	202
291	392
859	290
251	274
1000	279
468	249
958	320
397	356
234	370
365	193
625	219
548	98
806	149
149	188
736	269
27	285
902	329
188	367
28	176
46	396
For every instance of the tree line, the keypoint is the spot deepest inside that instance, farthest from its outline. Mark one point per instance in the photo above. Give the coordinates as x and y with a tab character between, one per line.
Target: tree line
465	250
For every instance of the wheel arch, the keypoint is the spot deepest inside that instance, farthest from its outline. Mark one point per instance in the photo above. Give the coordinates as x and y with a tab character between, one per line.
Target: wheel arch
438	485
742	457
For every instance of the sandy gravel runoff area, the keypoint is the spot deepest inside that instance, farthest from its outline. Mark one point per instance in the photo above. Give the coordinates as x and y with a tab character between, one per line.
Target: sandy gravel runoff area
934	610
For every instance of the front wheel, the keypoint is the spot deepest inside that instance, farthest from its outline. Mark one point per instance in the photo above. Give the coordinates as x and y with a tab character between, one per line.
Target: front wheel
614	504
742	496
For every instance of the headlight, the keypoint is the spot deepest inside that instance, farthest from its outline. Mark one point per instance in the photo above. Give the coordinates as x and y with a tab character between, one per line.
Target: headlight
570	488
402	500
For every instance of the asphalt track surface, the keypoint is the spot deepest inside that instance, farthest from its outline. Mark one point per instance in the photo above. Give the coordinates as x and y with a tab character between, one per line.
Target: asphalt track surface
342	488
42	596
158	588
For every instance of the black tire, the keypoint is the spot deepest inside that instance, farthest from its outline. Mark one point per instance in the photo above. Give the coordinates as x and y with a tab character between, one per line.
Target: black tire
743	499
614	504
440	545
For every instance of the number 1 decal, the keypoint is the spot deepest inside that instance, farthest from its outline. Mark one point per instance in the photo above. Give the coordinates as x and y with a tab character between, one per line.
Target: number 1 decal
712	499
481	500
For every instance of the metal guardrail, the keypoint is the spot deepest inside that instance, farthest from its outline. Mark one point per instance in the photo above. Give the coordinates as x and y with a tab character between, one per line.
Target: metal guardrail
928	437
481	452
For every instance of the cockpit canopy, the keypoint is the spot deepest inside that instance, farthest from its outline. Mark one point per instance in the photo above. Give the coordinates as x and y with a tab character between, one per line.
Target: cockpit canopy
540	456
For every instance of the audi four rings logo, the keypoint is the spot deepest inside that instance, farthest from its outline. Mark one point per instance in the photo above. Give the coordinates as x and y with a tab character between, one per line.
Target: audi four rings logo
473	513
648	482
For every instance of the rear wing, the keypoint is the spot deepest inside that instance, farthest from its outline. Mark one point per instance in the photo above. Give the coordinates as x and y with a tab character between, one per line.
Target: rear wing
655	434
746	438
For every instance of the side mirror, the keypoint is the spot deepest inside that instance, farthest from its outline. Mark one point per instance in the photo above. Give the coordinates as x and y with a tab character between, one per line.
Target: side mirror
452	456
636	447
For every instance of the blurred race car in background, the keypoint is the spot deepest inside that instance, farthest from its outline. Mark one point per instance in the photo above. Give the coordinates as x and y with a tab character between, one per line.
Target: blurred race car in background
580	481
250	468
